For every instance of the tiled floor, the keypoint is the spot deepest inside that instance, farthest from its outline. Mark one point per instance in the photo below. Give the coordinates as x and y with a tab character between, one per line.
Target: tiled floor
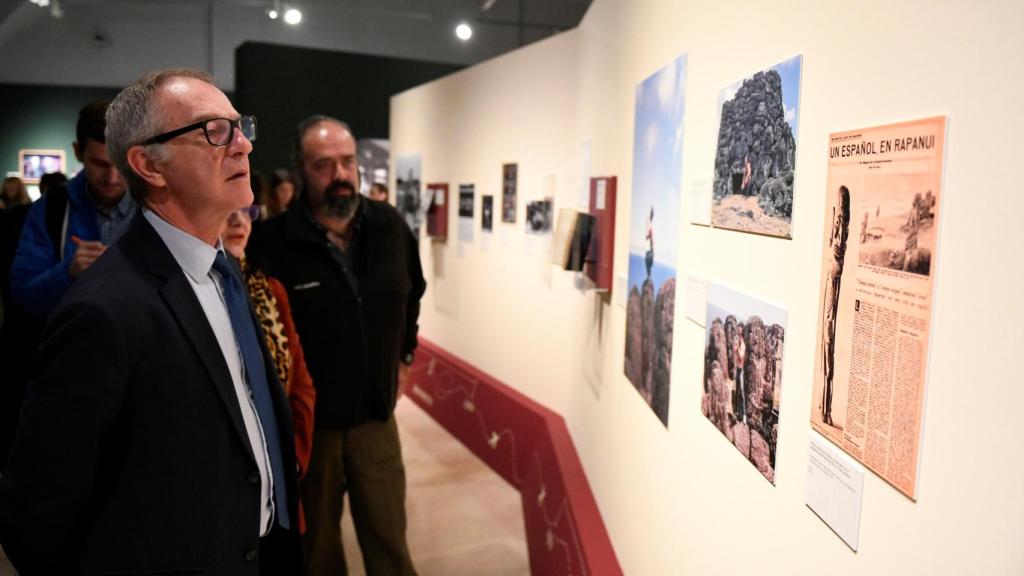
463	518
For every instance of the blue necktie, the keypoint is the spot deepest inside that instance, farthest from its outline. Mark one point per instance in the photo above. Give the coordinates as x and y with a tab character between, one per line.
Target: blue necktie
249	345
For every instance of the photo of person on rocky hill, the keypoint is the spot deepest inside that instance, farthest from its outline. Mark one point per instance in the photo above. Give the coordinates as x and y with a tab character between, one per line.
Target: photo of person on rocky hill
756	152
657	174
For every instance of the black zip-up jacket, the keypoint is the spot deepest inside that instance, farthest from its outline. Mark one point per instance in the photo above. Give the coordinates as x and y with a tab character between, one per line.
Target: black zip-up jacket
353	340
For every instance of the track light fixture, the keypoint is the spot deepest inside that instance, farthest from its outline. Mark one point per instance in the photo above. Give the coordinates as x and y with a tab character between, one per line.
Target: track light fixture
290	14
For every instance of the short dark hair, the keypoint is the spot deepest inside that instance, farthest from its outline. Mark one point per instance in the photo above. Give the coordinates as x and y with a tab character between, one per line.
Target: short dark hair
300	133
51	180
92	121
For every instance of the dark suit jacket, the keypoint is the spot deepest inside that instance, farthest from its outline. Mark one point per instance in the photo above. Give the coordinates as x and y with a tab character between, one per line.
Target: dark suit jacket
131	454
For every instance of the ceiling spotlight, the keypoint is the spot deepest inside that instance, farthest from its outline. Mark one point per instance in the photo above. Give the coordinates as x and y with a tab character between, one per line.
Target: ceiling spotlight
463	31
292	16
272	14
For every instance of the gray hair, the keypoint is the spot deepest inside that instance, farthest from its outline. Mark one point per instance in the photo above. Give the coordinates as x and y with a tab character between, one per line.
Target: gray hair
134	116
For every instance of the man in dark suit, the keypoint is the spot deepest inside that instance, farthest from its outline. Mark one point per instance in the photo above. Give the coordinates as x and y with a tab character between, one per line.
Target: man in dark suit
155	437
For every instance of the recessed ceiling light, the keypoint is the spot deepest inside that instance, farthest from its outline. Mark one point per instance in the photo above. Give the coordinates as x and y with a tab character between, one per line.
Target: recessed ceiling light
292	16
272	14
463	31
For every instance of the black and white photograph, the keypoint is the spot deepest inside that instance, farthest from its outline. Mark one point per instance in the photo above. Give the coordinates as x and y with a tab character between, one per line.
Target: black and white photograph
487	213
373	157
538	216
409	196
509	176
467	197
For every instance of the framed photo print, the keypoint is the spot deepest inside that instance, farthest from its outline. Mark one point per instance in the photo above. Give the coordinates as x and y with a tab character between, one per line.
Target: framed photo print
35	163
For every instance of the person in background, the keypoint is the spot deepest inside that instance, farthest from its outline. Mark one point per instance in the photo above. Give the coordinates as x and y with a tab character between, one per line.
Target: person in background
282	192
50	243
51	180
260	192
70	227
379	192
353	273
14	193
273	311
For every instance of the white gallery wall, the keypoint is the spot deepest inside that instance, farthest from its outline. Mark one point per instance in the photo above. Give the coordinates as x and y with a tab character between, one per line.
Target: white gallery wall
681	500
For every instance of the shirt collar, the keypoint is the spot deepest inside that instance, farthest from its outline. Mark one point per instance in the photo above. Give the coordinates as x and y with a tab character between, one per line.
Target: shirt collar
193	255
124	207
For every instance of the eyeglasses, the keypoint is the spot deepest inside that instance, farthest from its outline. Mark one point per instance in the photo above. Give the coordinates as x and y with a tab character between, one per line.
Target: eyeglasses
218	131
249	212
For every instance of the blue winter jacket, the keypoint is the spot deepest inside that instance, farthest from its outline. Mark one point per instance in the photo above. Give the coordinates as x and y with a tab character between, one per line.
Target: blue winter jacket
39	277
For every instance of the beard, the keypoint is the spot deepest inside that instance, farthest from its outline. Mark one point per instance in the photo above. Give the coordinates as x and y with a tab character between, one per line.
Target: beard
338	203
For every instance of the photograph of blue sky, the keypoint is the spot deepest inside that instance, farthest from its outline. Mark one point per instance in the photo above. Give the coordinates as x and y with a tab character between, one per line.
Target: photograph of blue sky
657	169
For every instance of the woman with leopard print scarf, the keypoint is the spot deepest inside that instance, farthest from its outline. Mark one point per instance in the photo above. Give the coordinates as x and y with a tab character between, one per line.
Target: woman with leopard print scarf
274	313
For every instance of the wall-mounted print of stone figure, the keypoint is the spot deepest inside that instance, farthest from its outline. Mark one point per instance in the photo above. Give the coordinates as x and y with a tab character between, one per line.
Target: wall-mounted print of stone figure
743	355
756	154
654	233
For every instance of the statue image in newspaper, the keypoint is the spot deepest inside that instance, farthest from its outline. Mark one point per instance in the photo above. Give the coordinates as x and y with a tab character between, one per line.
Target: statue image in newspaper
830	304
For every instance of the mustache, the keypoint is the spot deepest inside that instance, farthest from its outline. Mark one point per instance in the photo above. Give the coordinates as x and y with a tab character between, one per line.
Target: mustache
339	186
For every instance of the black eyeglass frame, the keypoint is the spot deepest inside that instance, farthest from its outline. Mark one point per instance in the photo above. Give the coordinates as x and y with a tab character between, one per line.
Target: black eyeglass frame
235	125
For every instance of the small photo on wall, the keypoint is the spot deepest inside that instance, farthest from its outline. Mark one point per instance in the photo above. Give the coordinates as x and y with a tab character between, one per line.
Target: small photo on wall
756	152
509	176
743	355
409	197
467	197
487	213
36	163
539	217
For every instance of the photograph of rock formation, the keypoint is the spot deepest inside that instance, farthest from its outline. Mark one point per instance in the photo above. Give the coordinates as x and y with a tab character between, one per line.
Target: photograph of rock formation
743	358
896	223
654	233
756	153
408	195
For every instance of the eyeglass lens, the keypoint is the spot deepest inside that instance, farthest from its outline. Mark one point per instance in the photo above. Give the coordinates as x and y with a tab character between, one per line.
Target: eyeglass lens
219	131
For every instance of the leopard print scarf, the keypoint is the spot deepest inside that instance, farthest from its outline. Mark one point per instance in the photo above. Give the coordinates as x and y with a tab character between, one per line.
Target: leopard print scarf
270	319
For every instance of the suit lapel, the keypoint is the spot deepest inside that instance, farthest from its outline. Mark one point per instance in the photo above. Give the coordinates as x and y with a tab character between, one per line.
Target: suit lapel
184	306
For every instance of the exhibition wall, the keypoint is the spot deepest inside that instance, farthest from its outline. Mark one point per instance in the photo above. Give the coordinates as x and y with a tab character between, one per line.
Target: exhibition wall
678	498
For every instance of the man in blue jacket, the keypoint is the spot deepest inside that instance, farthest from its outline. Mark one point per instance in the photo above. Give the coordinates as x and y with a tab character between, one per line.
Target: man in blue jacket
65	232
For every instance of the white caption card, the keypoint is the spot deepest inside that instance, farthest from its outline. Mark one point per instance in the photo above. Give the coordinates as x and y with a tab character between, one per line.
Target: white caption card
835	488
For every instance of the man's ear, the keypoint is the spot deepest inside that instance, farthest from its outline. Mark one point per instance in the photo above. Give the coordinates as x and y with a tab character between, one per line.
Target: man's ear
143	165
78	151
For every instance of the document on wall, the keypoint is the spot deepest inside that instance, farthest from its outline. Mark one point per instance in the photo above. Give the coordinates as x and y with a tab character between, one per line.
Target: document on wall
835	489
696	299
700	201
874	314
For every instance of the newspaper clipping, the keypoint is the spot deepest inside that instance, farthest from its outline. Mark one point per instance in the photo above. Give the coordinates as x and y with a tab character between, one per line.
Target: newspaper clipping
882	216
